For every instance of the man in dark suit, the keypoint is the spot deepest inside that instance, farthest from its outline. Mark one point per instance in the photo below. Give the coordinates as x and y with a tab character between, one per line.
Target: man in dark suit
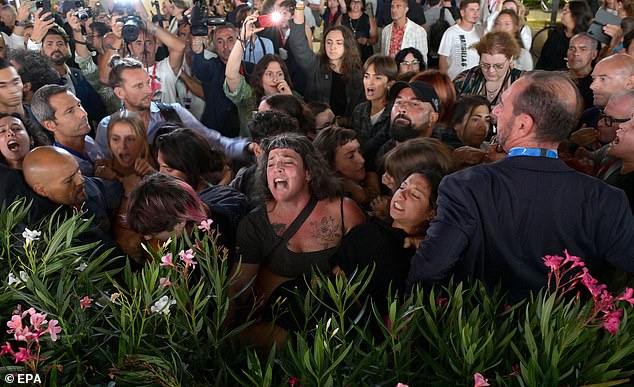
495	222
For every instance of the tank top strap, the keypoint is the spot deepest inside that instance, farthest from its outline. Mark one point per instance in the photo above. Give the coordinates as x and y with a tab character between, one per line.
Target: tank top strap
343	226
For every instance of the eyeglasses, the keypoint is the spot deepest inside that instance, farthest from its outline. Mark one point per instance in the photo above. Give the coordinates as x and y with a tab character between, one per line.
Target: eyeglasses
496	66
610	121
411	63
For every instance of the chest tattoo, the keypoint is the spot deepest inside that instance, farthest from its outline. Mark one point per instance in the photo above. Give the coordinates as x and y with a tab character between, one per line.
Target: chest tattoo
278	228
326	231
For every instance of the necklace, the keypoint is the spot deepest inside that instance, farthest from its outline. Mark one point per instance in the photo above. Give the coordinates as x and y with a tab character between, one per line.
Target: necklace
492	94
355	26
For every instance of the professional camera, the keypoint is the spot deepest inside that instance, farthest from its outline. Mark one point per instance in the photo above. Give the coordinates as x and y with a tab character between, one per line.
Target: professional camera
83	13
158	18
200	18
132	25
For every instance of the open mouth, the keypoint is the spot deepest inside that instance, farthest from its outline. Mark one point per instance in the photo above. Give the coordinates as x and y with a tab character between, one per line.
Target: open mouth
280	183
13	145
369	91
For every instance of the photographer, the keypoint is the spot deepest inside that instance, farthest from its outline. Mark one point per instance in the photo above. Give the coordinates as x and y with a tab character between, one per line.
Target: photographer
52	41
269	76
220	113
163	74
83	58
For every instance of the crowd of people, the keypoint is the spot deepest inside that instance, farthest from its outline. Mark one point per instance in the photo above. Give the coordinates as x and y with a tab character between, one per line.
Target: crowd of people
416	141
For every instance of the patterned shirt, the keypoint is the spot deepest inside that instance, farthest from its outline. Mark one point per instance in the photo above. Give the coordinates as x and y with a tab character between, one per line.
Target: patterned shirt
396	39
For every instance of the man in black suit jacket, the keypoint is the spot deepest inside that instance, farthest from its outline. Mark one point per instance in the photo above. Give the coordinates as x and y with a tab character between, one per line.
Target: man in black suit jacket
495	222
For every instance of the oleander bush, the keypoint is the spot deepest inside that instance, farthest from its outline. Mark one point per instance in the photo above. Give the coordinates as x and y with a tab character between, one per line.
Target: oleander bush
70	316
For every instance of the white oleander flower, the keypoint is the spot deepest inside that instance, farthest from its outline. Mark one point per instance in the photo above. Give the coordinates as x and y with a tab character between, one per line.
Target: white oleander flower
13	280
31	235
162	305
82	266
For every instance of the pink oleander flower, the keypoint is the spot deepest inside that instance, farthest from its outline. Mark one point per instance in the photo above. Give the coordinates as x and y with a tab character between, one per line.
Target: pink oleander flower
6	349
576	261
22	355
53	329
553	262
38	319
205	225
292	382
480	381
85	302
165	282
188	258
612	320
14	324
401	385
23	334
627	296
166	260
31	311
592	284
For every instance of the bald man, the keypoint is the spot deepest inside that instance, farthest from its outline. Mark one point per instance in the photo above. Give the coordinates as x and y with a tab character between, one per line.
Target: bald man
612	75
53	173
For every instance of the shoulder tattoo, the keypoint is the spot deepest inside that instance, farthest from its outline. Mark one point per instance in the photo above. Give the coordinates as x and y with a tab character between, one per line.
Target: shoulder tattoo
327	231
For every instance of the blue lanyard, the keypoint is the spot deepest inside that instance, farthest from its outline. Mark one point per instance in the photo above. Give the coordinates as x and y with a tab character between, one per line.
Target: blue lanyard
533	152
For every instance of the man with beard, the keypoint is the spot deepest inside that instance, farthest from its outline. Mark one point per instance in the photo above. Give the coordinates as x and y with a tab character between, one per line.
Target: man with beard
164	73
220	113
131	83
55	47
60	112
414	114
495	222
84	50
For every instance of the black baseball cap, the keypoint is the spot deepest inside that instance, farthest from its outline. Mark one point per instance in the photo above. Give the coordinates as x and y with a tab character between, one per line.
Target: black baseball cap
423	91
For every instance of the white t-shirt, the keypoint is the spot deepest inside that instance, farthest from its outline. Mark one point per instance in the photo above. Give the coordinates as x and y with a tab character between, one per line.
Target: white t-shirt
524	61
166	77
456	46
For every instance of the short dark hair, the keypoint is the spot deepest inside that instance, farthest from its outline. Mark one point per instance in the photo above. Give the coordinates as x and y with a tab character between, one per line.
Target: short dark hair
627	40
188	151
41	102
58	31
294	107
331	138
464	3
4	63
271	123
118	66
34	68
553	101
400	56
383	65
323	183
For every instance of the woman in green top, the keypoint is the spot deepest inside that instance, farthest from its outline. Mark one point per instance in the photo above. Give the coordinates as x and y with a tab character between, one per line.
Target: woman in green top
270	76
